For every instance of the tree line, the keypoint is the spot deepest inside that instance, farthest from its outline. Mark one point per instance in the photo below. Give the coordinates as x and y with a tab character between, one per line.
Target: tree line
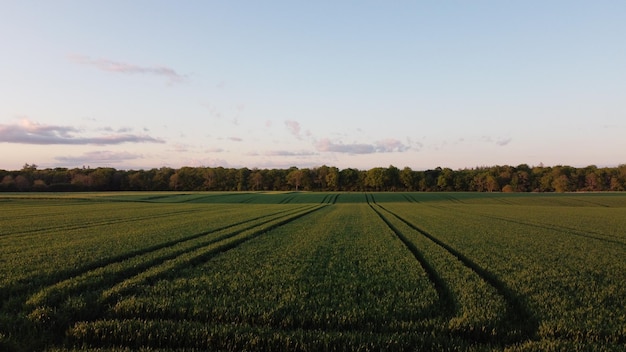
521	178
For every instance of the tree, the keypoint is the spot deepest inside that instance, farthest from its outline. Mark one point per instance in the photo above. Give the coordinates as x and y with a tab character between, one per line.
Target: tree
161	178
102	179
22	183
319	177
276	179
209	176
8	183
561	178
349	179
375	178
294	177
256	180
324	178
392	178
136	181
188	178
429	181
491	183
332	179
242	179
408	178
561	184
445	180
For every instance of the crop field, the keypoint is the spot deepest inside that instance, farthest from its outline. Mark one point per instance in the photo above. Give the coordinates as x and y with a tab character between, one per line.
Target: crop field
298	271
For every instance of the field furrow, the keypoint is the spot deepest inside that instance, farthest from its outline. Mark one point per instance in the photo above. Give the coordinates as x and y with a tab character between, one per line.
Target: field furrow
84	296
326	277
478	306
569	284
513	323
86	224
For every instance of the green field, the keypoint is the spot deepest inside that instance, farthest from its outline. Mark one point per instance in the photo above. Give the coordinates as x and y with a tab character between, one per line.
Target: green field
312	271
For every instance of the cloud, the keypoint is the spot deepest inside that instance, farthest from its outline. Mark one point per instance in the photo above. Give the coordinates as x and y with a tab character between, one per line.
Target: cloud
417	145
289	153
125	68
29	132
214	150
180	147
96	157
500	141
119	130
384	146
293	127
390	145
235	139
503	141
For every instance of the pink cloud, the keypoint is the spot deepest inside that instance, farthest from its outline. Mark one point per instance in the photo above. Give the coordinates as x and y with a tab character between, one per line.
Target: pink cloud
103	156
384	146
293	127
29	132
125	68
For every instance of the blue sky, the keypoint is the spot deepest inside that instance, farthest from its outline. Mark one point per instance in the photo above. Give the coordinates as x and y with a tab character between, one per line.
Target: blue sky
274	84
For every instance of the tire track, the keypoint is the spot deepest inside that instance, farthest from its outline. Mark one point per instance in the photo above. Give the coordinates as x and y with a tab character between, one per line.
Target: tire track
286	200
330	199
521	325
562	229
95	273
96	290
200	255
594	235
447	303
408	199
102	222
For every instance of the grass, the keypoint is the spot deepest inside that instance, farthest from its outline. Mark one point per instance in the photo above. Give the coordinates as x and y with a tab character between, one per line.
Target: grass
312	271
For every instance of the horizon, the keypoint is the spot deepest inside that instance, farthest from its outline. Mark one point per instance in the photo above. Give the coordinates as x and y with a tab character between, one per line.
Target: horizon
34	166
454	85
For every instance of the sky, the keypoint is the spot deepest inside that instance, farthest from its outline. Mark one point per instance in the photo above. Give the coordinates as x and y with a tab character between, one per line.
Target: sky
274	84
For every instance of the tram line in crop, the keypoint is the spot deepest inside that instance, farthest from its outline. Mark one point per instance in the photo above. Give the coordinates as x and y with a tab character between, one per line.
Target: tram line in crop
519	322
100	286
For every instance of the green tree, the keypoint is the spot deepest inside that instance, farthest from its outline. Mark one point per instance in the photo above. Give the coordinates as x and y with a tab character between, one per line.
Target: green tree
294	178
409	179
445	180
242	179
375	178
256	180
332	179
349	179
392	178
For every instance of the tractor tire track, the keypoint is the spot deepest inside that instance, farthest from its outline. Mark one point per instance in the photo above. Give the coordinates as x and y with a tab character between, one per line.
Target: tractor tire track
447	303
97	290
75	226
522	325
97	269
562	229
